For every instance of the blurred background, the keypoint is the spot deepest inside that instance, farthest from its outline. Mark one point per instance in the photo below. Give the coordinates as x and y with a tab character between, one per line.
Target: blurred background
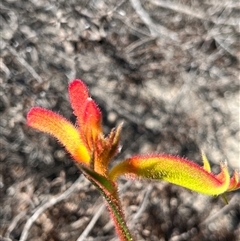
168	69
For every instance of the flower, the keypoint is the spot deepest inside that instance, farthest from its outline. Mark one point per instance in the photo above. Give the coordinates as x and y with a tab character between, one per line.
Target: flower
93	151
85	141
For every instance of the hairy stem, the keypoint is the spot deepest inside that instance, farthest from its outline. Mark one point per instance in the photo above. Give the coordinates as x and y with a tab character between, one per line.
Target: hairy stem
108	190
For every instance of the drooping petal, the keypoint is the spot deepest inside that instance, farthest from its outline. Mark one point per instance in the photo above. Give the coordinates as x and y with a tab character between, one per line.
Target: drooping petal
175	170
78	94
57	126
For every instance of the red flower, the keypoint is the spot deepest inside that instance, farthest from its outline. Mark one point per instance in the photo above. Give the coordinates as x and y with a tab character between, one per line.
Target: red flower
90	148
85	141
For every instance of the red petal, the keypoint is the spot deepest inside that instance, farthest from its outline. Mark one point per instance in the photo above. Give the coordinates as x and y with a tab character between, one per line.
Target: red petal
78	94
93	117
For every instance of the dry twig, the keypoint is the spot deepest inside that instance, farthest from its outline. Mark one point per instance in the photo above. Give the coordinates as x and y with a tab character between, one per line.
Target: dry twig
24	63
156	30
48	204
194	13
14	223
232	205
143	204
90	226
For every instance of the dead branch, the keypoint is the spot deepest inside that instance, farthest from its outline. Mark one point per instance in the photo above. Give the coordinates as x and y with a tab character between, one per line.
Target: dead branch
93	221
156	30
48	204
24	63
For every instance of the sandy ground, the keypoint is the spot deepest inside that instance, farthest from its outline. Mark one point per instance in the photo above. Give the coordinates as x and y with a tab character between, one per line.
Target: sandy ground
168	69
